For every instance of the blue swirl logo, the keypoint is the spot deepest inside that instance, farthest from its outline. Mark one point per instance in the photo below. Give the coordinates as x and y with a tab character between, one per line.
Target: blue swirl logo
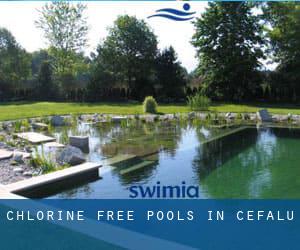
175	15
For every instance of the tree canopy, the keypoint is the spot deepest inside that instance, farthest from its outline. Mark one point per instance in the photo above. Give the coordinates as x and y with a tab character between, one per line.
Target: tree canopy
14	63
228	40
127	55
65	28
284	37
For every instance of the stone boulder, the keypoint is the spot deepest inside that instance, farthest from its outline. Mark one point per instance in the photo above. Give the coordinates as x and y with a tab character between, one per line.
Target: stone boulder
229	116
57	121
81	142
264	116
70	155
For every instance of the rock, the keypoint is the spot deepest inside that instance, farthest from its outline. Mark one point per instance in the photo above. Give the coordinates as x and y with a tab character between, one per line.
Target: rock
18	157
229	116
18	170
71	155
264	116
246	116
118	119
28	149
5	154
150	118
7	125
191	115
57	121
54	145
95	118
28	173
39	125
81	142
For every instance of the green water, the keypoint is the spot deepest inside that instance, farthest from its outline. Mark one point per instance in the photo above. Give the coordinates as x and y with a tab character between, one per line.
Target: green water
224	163
267	168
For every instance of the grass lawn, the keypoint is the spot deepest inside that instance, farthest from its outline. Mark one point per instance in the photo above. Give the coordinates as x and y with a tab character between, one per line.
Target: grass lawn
11	111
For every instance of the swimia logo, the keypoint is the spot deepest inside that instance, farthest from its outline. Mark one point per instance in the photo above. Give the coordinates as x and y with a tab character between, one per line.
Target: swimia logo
174	14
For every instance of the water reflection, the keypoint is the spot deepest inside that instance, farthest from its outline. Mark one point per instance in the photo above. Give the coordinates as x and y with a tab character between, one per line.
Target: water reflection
248	163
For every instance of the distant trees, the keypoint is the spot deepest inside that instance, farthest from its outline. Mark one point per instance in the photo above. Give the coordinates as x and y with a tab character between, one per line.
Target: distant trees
284	22
232	39
229	42
14	64
171	76
45	87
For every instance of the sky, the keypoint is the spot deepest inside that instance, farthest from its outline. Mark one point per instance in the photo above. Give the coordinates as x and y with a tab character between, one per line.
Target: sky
19	17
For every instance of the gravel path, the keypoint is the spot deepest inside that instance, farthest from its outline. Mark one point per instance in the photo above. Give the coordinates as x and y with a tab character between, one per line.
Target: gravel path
8	173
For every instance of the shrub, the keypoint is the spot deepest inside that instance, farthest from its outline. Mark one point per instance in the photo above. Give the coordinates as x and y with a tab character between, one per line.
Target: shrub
198	102
150	105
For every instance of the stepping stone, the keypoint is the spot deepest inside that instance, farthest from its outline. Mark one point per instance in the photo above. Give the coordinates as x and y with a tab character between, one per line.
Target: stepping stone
264	116
120	159
35	138
57	121
54	145
81	142
39	125
137	167
4	154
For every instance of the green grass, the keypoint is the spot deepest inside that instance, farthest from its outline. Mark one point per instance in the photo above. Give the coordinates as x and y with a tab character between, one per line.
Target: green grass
11	111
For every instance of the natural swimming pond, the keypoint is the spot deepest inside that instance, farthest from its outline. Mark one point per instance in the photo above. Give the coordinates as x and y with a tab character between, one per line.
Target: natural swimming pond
237	162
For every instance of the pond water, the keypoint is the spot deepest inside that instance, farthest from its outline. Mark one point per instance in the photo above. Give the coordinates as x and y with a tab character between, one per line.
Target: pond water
224	163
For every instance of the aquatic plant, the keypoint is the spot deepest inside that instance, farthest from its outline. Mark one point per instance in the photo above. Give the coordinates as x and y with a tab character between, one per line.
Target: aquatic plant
39	160
198	102
44	162
64	137
150	105
123	123
239	116
21	125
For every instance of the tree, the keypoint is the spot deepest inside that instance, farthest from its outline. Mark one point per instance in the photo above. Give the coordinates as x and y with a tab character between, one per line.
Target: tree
228	42
14	64
65	28
284	36
45	82
171	75
126	57
37	59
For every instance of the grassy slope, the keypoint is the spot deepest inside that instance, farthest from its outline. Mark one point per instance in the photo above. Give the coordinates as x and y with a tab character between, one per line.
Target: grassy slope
10	111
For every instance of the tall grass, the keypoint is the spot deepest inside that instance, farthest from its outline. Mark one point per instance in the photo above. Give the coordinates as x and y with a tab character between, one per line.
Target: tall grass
198	102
